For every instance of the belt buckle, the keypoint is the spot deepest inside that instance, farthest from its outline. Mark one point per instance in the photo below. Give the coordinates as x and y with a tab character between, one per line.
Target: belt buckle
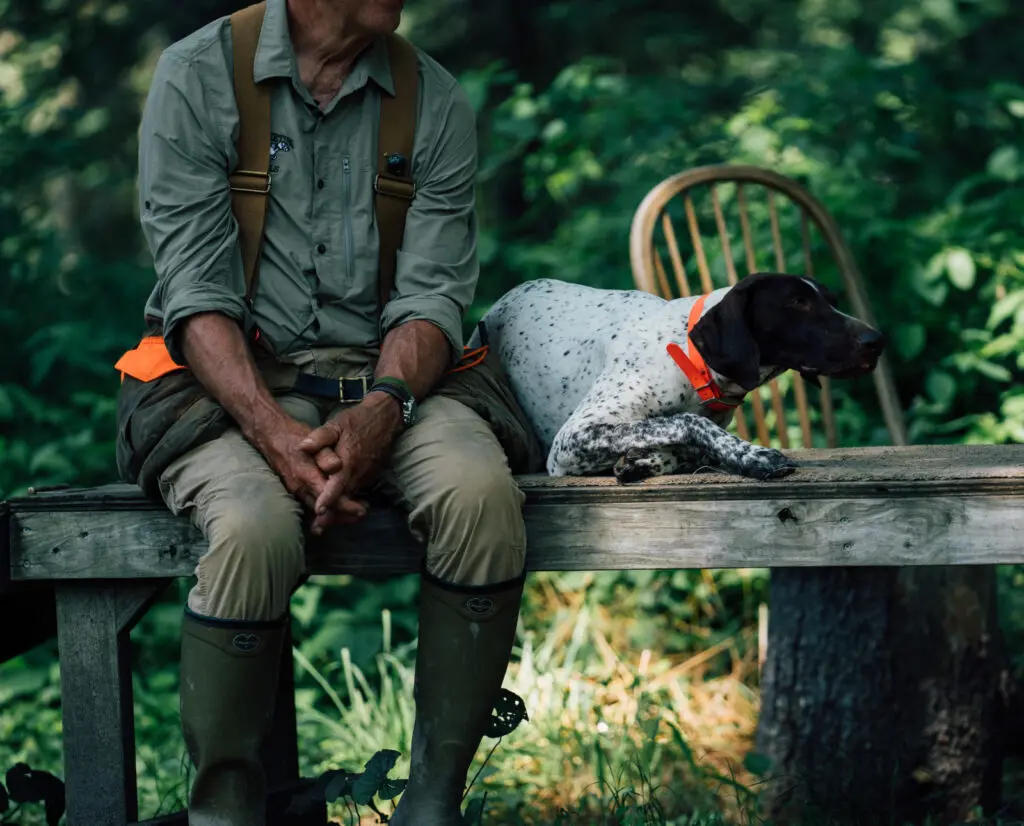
364	380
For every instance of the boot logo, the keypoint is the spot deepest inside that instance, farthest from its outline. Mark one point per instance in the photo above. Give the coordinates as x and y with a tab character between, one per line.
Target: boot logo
480	606
246	642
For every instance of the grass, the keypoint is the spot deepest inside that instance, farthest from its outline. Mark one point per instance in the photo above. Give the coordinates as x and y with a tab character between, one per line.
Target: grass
610	730
607	741
618	733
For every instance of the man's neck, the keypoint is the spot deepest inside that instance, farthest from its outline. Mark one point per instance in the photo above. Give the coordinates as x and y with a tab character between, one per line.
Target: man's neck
323	38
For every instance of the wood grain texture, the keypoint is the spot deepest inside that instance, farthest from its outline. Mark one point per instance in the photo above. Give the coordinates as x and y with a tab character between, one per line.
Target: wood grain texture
97	710
955	505
840	470
5	547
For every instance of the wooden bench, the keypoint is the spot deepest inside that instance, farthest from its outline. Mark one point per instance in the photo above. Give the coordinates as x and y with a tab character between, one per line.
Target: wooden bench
108	553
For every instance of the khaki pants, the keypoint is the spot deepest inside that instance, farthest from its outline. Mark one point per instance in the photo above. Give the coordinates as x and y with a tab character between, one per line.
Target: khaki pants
448	472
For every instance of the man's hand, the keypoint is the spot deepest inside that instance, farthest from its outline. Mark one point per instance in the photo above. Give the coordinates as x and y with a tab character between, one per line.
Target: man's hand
362	436
221	359
352	448
298	471
303	474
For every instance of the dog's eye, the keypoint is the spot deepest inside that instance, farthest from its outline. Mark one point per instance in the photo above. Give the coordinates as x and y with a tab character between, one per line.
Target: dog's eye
801	303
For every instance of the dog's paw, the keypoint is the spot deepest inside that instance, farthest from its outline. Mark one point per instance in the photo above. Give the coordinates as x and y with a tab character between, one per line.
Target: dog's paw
766	463
635	466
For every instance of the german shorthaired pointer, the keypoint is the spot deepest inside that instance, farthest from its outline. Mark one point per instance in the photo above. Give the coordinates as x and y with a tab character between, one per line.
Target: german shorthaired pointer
611	381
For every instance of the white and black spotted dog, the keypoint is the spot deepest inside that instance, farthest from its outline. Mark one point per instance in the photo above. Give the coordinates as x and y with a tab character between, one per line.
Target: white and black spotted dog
611	379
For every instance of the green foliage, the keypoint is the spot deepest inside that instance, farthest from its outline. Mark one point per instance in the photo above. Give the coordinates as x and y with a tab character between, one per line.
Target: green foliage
906	119
911	145
373	783
924	183
509	712
27	785
360	788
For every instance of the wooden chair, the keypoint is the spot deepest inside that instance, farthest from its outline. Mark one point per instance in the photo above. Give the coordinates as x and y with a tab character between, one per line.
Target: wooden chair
704	197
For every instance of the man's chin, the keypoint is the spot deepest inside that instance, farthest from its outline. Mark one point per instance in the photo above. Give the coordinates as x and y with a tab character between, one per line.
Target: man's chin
387	15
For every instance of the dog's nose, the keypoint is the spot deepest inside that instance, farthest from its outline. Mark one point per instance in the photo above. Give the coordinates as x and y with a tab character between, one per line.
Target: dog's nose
871	340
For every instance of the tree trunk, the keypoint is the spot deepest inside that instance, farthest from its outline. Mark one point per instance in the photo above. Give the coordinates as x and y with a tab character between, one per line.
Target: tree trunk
881	694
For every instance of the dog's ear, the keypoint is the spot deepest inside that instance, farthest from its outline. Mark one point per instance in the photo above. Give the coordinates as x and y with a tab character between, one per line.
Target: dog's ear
724	338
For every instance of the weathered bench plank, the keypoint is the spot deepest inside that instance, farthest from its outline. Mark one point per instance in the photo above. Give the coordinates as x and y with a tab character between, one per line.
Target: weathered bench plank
935	505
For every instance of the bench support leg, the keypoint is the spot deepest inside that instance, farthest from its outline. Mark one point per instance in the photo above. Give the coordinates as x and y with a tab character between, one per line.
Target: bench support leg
93	624
281	751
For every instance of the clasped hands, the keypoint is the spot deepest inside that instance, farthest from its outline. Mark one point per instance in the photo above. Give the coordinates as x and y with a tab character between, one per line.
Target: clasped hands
326	467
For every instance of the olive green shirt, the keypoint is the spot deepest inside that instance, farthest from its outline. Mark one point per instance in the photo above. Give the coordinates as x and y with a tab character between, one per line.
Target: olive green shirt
319	265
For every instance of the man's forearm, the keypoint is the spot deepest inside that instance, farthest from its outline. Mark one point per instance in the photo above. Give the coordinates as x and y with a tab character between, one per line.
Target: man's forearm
220	357
416	352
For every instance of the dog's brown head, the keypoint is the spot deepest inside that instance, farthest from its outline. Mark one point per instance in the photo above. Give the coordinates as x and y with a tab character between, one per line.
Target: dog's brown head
788	322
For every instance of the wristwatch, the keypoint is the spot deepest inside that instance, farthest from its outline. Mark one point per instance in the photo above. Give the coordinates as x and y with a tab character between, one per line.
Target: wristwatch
399	390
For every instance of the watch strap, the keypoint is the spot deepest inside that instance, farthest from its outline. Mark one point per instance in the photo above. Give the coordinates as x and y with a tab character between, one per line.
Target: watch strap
399	390
392	381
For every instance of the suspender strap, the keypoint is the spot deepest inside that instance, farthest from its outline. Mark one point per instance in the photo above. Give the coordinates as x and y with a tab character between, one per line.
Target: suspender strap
250	182
393	186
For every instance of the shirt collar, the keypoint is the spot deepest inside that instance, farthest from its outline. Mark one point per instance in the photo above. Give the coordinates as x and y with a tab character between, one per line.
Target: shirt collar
275	56
373	64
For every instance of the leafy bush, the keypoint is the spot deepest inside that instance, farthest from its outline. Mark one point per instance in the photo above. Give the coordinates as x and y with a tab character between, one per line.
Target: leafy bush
906	119
27	785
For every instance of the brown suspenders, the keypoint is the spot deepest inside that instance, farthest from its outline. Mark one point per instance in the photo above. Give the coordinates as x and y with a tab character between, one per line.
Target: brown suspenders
393	186
251	181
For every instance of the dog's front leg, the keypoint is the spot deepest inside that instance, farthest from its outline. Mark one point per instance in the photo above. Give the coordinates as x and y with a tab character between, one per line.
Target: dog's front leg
636	465
585	447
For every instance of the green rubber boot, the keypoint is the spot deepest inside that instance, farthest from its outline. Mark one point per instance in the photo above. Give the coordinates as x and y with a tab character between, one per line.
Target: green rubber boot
466	636
229	673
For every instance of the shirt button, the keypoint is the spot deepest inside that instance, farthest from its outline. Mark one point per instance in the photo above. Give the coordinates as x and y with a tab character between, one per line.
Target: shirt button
320	184
321	248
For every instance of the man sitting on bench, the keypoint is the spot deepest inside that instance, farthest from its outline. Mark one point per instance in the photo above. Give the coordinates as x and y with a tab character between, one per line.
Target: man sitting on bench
333	377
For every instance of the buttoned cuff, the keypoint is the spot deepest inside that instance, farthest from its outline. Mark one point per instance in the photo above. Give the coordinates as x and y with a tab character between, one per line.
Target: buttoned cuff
195	299
439	310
